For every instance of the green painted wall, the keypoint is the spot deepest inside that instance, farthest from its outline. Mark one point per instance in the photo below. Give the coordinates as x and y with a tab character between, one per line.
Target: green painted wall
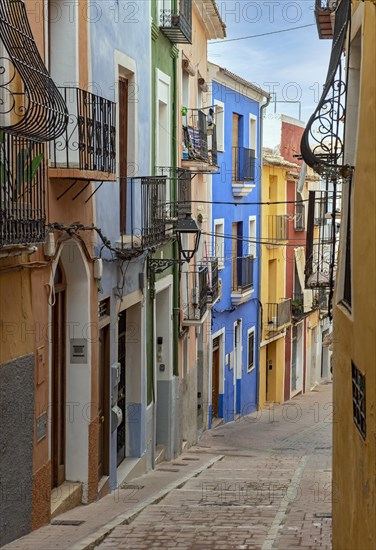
164	57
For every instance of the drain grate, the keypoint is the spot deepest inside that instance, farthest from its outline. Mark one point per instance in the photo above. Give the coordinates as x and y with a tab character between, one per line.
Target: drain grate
217	435
168	470
74	522
323	515
176	464
190	458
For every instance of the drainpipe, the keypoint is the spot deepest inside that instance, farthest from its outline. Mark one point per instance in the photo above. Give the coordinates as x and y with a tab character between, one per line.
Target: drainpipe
176	268
262	109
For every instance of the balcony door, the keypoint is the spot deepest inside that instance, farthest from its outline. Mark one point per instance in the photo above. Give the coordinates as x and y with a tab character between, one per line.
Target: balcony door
103	401
235	145
123	151
58	380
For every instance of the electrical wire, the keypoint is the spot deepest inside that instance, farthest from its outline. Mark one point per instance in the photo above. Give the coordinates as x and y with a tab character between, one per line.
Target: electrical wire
263	34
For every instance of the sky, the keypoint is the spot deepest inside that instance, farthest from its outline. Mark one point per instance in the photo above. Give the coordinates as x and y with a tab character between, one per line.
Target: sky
293	64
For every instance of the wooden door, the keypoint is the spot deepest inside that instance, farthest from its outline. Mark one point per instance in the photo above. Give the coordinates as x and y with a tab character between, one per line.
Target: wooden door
215	377
234	245
103	402
58	390
123	151
121	403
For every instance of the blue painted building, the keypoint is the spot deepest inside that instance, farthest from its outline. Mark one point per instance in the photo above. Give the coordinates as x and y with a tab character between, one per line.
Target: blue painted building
236	233
121	70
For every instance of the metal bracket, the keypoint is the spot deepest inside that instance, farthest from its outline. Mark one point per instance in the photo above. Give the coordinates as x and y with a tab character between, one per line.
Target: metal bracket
158	265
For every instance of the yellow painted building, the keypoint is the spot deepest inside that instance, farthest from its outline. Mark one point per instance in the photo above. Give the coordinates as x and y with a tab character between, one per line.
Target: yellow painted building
276	311
354	342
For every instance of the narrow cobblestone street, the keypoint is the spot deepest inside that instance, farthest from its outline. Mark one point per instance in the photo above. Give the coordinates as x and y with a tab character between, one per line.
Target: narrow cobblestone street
271	489
263	482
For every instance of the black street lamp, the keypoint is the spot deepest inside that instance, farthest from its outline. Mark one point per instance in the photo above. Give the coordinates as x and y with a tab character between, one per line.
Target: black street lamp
188	227
185	227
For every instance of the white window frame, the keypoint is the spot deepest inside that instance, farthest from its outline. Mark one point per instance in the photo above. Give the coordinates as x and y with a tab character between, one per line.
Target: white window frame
221	260
252	247
220	127
251	331
163	78
253	118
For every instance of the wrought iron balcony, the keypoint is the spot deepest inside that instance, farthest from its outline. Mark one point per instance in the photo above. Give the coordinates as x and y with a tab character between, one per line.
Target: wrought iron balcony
176	24
242	279
299	216
31	105
87	148
277	229
22	191
213	293
199	139
323	139
243	171
147	213
279	315
195	303
297	306
178	179
324	10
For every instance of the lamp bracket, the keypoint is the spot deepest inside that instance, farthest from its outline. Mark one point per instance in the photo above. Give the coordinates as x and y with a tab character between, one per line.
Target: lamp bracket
158	265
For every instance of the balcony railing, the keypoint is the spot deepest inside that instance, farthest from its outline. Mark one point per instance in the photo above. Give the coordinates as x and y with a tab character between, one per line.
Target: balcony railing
297	306
199	138
22	191
176	24
243	274
89	141
244	164
213	292
146	212
197	285
299	216
323	12
279	315
277	229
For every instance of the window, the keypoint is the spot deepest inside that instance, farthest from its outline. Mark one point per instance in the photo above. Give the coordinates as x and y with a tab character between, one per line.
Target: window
359	399
251	350
252	247
253	134
123	151
220	122
219	242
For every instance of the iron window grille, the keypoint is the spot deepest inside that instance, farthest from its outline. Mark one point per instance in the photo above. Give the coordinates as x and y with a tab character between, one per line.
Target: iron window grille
22	191
244	164
251	351
197	284
176	24
299	216
243	276
31	105
213	292
279	314
359	400
147	212
89	140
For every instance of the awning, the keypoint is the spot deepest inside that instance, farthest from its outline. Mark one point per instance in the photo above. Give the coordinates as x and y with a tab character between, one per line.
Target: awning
31	105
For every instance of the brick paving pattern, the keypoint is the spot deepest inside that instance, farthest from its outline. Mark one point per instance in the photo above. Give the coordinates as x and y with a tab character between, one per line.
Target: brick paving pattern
263	482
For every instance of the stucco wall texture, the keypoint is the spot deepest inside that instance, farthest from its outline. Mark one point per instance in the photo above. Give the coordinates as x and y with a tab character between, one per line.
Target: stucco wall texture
354	458
16	447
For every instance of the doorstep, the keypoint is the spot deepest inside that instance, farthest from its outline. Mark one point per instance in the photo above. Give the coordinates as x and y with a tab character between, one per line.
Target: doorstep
131	468
65	497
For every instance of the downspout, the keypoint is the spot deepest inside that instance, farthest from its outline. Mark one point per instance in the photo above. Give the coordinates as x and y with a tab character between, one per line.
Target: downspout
176	267
262	110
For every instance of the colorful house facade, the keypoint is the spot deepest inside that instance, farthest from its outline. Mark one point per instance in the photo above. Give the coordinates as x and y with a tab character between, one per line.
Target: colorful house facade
349	162
236	192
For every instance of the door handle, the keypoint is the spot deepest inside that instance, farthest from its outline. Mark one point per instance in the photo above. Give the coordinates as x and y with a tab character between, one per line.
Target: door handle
101	418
